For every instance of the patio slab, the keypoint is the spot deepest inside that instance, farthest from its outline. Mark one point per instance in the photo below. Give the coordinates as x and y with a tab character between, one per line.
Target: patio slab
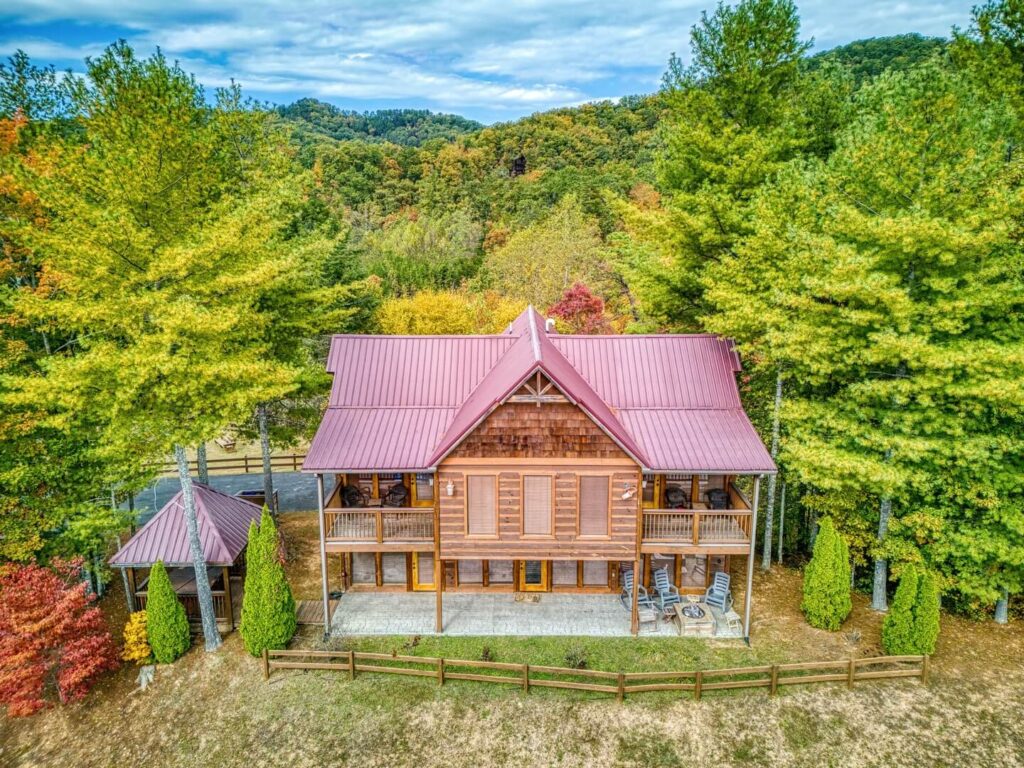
554	614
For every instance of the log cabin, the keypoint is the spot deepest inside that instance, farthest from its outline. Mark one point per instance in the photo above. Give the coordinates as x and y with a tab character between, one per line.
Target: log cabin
534	461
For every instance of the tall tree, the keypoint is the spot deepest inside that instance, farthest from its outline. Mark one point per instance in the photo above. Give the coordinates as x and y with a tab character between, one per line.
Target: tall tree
164	233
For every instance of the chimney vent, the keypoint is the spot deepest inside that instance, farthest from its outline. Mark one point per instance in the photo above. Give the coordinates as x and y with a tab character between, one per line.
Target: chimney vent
549	325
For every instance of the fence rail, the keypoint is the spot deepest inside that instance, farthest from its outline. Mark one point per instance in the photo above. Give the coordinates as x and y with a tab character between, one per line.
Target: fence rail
246	464
619	684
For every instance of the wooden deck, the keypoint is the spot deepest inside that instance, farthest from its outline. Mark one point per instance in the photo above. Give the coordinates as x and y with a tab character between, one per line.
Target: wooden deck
312	611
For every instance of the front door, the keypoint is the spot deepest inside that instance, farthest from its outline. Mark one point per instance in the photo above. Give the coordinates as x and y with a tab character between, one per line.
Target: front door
534	575
422	570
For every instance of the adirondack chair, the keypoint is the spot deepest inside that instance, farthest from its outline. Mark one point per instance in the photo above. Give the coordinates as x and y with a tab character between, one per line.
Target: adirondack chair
665	592
718	594
644	600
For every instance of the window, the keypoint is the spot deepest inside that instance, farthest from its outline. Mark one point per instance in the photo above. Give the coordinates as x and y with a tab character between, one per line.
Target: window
537	505
424	488
593	514
481	505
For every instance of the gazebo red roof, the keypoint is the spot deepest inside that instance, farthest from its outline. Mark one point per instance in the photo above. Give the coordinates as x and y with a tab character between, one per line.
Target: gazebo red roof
223	531
402	403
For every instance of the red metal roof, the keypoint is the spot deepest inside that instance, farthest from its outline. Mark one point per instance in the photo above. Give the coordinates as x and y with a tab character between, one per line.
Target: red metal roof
223	531
403	403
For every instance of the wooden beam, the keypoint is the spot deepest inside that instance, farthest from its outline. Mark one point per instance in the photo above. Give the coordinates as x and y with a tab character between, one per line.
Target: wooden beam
226	575
129	587
438	584
378	569
750	560
323	551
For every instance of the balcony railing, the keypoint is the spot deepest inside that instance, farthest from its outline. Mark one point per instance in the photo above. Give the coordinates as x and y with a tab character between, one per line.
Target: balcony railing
380	524
697	526
191	603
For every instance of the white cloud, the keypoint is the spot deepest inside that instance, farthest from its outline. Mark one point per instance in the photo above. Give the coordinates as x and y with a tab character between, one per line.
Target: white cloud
491	54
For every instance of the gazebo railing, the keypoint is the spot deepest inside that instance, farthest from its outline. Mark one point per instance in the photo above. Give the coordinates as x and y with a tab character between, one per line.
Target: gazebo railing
191	603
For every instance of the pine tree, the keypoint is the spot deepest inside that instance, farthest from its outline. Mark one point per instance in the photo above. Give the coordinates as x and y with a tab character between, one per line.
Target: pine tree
166	623
826	602
898	635
926	614
268	608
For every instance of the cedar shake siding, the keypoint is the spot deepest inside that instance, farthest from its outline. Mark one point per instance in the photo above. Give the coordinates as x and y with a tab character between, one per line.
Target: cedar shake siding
550	431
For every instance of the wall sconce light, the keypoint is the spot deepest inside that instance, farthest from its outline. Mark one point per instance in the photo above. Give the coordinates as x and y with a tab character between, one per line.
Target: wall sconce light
629	493
643	483
450	488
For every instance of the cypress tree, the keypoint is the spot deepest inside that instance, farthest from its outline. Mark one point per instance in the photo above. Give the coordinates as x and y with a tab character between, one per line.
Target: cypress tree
826	602
268	608
166	622
926	614
898	628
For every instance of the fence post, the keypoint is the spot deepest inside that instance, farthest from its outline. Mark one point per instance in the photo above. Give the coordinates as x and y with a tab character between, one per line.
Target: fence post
775	680
621	693
924	669
266	664
849	673
246	458
697	685
526	678
440	671
351	665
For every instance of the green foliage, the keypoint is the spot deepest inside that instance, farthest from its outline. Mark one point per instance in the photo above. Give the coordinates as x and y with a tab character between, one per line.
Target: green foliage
926	614
826	602
167	627
447	312
869	58
268	608
898	635
411	127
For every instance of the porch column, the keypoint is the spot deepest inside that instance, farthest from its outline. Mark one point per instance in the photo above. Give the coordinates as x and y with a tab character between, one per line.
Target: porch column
226	575
323	550
634	621
438	584
129	588
750	560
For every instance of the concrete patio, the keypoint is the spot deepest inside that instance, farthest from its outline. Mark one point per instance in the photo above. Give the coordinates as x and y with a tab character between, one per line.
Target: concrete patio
498	613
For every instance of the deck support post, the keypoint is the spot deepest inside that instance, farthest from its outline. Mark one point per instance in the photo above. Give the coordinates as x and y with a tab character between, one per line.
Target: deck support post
323	550
226	575
438	584
634	622
750	560
129	590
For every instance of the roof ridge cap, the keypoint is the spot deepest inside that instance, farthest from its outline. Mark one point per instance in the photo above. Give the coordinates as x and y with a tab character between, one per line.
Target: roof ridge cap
534	339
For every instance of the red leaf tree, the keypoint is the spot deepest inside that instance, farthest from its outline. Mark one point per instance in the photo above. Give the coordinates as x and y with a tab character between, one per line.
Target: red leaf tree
52	637
581	310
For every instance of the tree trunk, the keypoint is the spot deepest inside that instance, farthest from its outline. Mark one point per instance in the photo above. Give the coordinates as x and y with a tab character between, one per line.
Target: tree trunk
1003	608
879	598
769	514
203	469
782	519
268	475
210	632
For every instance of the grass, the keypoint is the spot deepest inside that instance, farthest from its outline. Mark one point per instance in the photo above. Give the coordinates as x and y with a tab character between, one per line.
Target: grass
217	710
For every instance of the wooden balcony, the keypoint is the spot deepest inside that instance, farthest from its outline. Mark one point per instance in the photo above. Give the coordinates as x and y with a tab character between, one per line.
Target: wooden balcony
696	530
379	529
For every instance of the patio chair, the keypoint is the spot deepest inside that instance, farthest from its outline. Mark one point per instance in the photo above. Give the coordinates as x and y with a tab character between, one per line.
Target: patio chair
665	592
644	600
351	496
396	496
718	595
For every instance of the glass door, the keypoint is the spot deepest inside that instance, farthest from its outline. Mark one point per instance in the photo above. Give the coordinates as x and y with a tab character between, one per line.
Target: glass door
534	576
422	570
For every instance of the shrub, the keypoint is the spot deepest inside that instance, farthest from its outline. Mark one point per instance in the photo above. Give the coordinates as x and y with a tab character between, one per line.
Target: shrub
52	636
898	627
926	614
268	608
136	640
826	602
166	623
486	654
576	656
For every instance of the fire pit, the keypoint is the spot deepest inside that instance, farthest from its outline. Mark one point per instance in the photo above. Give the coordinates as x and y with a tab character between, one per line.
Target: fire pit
692	611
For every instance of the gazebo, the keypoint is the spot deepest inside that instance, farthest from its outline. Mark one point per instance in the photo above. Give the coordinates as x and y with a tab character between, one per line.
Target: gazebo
223	531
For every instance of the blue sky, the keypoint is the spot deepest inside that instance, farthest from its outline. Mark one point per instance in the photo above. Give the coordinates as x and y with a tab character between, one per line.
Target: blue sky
490	60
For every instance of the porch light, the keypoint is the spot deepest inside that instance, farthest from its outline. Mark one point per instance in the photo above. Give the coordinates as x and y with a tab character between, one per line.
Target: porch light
450	488
629	493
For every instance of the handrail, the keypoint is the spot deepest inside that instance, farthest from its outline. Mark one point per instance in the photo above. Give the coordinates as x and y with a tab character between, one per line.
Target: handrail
380	524
697	526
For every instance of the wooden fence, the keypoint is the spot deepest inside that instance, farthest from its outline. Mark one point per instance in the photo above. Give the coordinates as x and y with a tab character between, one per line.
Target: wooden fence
246	464
619	684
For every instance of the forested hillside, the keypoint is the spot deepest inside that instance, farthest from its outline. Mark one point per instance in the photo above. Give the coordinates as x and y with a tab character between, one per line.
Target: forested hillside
852	220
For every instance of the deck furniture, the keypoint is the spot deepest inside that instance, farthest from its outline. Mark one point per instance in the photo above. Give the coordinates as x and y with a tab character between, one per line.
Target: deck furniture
397	496
647	616
733	623
718	594
644	600
665	592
